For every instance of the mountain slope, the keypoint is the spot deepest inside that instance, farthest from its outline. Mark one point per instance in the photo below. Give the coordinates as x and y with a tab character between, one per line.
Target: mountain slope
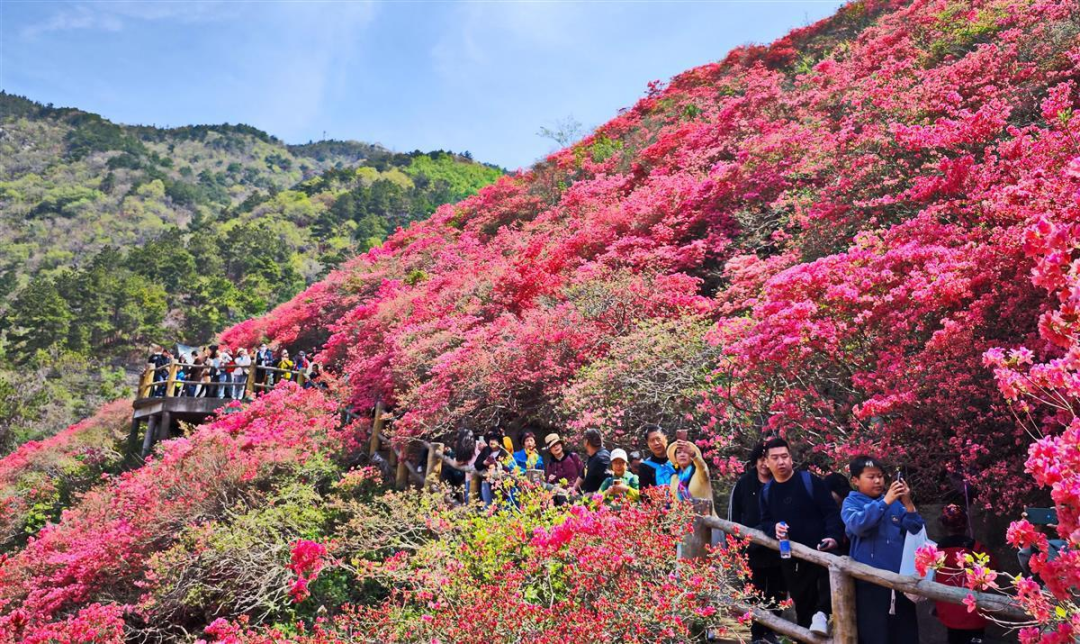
837	214
825	237
114	236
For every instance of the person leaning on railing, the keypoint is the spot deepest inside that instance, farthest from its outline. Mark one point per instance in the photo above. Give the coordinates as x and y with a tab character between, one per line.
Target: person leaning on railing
159	358
286	365
240	373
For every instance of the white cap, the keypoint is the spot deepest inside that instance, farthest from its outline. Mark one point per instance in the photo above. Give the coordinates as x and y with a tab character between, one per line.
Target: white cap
617	454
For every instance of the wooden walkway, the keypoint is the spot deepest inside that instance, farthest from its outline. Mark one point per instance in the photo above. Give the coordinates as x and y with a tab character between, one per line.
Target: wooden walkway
164	399
843	572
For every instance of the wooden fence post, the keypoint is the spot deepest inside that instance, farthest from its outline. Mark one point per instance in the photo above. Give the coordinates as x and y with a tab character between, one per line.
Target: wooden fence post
164	431
133	437
844	628
145	382
148	438
249	384
401	480
433	471
695	545
376	428
170	382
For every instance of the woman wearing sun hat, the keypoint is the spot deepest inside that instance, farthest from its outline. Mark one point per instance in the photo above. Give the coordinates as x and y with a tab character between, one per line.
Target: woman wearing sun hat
691	480
564	468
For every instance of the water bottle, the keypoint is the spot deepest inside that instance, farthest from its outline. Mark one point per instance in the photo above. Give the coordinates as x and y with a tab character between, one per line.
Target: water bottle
785	544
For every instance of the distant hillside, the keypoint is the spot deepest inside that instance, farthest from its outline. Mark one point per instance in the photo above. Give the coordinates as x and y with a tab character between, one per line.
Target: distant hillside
114	236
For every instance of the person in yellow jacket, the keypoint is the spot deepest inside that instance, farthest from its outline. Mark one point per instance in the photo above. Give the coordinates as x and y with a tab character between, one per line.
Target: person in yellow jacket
286	365
691	480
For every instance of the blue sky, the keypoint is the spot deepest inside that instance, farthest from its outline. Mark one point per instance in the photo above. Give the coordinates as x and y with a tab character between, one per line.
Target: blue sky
477	76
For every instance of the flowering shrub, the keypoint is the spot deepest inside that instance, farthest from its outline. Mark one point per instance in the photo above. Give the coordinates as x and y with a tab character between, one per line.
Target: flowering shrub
863	235
307	561
846	207
539	573
41	478
101	548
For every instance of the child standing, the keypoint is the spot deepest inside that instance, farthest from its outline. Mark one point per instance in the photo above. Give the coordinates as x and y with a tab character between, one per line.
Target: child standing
964	627
877	520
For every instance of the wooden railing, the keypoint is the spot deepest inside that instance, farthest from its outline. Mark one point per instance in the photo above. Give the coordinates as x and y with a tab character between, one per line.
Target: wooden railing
168	380
843	572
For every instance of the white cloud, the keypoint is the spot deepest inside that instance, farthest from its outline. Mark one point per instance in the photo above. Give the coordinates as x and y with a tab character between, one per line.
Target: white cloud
115	15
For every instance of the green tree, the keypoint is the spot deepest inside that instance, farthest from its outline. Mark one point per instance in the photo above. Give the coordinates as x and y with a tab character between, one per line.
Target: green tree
39	318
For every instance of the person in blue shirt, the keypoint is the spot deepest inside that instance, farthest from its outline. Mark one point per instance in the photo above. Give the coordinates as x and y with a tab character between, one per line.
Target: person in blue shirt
528	458
877	519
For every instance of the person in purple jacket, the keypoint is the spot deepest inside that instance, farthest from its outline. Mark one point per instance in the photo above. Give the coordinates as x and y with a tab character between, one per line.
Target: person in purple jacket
564	470
877	520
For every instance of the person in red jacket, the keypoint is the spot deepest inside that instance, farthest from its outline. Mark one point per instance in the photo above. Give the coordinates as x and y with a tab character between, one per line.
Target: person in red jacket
964	627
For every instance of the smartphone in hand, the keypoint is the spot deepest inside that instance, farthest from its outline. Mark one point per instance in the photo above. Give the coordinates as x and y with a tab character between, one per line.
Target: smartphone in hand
681	434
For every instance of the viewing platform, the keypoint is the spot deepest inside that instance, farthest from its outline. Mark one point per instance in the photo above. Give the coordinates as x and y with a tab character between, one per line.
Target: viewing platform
165	398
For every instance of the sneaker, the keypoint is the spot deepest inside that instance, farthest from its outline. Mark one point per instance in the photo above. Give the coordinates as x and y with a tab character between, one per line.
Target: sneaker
819	624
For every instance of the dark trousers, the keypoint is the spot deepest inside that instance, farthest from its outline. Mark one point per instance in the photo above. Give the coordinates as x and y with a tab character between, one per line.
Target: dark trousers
965	636
808	585
876	625
769	581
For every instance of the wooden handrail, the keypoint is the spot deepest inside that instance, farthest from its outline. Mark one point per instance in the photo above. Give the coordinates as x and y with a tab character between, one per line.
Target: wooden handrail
147	383
842	570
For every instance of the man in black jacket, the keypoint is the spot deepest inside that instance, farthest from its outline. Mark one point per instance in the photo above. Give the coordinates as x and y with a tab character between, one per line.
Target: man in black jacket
598	462
804	503
744	507
657	462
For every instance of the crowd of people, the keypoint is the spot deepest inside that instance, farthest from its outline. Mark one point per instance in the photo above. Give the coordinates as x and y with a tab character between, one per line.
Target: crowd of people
862	514
216	371
614	474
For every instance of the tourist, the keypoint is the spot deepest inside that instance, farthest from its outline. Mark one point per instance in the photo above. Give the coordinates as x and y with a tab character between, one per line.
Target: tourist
963	626
691	479
635	463
213	362
656	469
597	462
878	519
302	362
466	449
564	469
194	375
802	501
839	487
528	458
225	368
314	377
241	373
492	462
622	484
157	361
744	507
286	365
264	357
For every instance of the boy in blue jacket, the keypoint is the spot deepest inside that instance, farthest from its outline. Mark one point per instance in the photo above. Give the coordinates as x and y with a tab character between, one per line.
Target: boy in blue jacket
877	520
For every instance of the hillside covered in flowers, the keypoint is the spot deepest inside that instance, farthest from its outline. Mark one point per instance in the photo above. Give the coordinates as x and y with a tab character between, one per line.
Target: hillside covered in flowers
822	237
863	236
